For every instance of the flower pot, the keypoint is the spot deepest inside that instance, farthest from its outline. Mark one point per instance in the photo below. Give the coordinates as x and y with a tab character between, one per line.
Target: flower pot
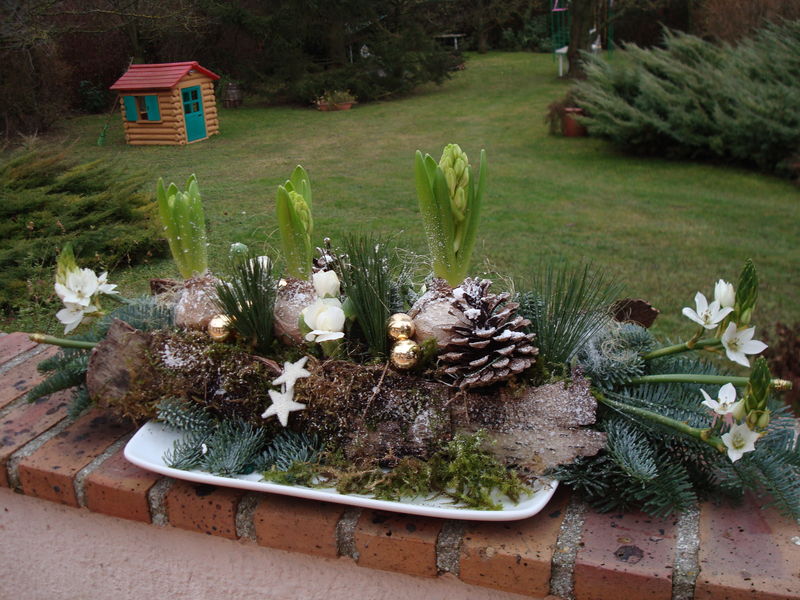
324	106
570	127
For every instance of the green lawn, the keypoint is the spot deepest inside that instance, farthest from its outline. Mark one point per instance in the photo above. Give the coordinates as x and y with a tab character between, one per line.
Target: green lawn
665	228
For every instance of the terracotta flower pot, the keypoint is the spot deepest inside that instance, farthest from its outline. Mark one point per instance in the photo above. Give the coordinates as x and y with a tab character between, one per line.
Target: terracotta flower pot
335	106
569	125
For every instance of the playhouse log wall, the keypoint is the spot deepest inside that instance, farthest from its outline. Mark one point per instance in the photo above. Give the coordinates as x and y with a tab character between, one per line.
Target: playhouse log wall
171	129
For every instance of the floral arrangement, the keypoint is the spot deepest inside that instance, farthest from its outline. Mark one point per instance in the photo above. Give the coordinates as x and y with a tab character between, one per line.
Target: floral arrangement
335	366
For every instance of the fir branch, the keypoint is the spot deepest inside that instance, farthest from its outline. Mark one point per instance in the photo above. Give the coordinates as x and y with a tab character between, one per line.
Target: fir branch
248	300
288	448
184	416
566	307
68	374
367	283
80	402
612	357
145	314
631	449
187	452
232	447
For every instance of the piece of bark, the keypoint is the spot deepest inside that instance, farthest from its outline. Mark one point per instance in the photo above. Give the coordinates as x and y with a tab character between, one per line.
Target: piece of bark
631	310
539	428
116	363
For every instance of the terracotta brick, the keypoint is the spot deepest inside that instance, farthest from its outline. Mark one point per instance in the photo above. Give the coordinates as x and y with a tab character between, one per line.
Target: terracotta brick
297	525
14	344
513	556
747	553
625	557
48	473
400	543
205	508
27	422
22	377
119	488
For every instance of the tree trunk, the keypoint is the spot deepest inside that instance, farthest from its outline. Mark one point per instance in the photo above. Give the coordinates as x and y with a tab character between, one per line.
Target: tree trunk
581	15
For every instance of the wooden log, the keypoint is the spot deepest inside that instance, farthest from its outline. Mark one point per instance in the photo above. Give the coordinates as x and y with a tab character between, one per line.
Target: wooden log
153	136
156	143
155	133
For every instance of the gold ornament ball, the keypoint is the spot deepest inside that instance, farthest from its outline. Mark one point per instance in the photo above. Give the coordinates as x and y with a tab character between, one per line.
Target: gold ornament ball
405	354
401	327
219	328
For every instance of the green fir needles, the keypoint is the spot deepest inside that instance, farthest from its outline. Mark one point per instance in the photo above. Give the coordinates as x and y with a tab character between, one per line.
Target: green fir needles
184	225
247	298
367	279
295	223
450	202
566	307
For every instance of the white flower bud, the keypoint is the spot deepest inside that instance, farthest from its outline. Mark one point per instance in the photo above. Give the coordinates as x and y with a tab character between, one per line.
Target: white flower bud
725	294
326	284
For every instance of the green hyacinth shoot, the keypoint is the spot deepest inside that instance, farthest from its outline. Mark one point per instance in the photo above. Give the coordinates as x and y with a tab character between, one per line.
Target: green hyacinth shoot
184	226
450	201
295	223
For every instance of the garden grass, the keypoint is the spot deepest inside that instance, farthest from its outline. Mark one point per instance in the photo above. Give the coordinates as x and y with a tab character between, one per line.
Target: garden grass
665	228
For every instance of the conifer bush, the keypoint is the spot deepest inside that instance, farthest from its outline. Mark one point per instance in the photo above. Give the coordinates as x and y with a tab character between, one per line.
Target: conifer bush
49	201
695	99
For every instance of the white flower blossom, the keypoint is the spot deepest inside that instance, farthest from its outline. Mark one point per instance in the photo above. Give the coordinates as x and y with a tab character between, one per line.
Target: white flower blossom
326	284
707	315
739	342
103	287
326	319
78	287
73	314
725	402
740	439
724	294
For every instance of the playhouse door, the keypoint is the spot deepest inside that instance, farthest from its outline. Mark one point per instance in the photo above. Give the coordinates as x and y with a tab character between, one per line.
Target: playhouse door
193	113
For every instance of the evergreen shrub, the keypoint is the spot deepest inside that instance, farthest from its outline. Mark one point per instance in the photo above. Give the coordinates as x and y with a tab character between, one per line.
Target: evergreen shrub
695	99
49	201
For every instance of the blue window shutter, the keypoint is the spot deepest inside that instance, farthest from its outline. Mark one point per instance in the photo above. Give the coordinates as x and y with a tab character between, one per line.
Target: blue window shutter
151	103
131	113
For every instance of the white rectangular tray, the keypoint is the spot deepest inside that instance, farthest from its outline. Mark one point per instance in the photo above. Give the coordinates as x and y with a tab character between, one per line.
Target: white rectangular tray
147	447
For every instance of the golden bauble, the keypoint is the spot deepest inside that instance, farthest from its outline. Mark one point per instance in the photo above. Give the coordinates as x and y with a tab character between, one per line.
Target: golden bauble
219	328
405	354
401	327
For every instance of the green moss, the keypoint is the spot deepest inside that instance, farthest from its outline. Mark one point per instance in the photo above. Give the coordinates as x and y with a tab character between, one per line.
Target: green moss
461	471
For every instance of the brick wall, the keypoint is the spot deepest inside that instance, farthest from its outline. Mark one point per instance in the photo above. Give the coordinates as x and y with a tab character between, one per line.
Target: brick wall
566	551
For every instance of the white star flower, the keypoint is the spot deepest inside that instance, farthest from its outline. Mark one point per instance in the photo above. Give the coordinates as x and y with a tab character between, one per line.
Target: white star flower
726	400
282	404
707	315
291	373
739	342
740	439
104	287
71	316
79	287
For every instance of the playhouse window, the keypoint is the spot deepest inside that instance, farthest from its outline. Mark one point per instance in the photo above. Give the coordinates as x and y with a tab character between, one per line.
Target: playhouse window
142	108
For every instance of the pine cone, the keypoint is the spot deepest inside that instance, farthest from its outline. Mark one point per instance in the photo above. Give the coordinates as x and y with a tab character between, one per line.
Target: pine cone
488	343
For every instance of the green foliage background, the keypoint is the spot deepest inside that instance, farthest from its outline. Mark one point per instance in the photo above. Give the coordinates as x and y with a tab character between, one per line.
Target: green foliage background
694	99
48	201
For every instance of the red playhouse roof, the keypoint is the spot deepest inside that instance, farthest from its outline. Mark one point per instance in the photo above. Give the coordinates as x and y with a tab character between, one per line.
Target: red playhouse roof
158	76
